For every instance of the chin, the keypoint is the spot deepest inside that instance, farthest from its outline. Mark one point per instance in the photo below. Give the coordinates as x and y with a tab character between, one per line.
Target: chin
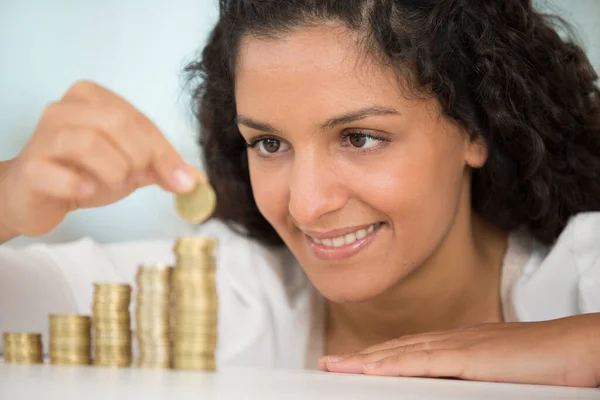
350	291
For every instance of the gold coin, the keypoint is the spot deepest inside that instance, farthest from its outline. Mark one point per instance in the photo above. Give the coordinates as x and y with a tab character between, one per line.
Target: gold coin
68	361
15	359
194	363
70	341
197	206
195	245
113	287
154	355
124	363
158	269
112	352
71	355
194	348
154	335
185	336
68	331
70	319
19	337
110	313
23	349
185	275
143	364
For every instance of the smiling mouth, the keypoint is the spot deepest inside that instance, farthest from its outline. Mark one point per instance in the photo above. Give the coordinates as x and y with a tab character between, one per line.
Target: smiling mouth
347	239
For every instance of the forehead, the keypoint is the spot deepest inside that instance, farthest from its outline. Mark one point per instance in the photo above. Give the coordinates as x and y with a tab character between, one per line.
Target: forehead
325	66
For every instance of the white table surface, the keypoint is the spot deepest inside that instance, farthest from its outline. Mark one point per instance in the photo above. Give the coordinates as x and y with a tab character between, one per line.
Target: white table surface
77	383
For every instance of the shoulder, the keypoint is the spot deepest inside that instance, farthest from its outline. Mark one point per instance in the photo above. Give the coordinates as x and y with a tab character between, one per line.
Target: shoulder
562	279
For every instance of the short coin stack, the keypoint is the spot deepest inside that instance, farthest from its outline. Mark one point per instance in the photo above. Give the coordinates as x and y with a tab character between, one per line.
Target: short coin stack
152	316
112	325
70	340
22	348
194	305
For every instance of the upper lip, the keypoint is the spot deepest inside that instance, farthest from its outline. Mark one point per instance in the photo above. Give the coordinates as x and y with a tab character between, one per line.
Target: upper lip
336	232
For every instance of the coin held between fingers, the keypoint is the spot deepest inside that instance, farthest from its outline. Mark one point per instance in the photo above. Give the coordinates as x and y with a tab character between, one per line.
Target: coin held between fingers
197	206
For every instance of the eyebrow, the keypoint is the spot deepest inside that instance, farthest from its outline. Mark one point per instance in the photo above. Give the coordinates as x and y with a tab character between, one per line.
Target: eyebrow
331	123
357	115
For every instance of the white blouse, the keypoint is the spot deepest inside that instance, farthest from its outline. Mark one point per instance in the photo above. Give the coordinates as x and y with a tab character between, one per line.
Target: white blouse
269	313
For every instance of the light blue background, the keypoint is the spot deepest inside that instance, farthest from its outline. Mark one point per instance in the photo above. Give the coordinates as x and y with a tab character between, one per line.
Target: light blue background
136	48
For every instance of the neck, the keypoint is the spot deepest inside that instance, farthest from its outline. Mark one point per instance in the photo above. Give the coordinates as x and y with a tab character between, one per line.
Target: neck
458	285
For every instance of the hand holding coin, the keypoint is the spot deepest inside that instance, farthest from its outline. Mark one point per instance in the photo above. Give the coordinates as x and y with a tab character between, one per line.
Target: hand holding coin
90	149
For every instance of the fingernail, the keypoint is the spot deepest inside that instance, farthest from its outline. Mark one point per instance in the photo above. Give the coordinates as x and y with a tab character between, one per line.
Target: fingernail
86	188
371	365
184	180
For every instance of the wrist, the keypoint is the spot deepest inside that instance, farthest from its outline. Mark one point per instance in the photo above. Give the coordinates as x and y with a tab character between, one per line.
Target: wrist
5	232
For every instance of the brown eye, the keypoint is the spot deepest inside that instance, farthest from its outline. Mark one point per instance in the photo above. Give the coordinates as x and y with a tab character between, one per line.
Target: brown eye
271	145
361	141
357	140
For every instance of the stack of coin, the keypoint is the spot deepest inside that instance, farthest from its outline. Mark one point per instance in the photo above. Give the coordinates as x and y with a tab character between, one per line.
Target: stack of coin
112	325
70	341
194	305
152	316
22	348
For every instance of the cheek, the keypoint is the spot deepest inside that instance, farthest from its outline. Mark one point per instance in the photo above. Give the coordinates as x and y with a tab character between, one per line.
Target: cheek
270	189
420	196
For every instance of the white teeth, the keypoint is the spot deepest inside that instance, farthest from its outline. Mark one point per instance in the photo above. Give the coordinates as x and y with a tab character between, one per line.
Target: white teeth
347	239
338	241
350	238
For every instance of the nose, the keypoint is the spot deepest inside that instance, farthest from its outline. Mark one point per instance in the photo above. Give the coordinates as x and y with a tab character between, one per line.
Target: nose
316	188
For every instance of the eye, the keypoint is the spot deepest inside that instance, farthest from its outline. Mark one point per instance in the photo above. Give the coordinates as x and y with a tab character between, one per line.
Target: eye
362	141
268	146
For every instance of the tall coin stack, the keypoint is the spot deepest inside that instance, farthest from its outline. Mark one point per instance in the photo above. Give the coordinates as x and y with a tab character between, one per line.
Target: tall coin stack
112	325
22	348
70	340
194	305
152	316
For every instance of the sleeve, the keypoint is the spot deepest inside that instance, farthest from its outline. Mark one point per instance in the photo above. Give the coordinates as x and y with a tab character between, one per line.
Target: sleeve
586	252
38	280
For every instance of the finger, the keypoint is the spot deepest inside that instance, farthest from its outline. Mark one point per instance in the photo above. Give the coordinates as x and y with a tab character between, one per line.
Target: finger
92	152
410	340
356	362
89	92
123	126
58	181
143	179
428	363
174	173
139	139
146	178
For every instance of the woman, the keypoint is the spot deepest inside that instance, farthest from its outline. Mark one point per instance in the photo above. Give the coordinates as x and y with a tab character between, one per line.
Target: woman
431	165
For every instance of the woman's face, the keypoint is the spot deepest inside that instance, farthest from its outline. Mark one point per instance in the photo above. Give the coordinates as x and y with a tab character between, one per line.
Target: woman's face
361	179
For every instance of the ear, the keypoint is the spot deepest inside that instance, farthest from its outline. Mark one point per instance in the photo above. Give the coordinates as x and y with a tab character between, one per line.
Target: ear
476	153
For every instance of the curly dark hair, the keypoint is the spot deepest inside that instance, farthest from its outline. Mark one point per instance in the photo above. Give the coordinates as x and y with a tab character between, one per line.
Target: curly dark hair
499	68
